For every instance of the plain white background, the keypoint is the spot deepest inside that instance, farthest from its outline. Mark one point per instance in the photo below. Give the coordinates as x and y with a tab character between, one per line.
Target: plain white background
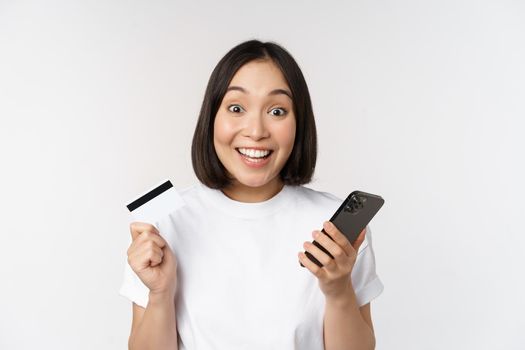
419	101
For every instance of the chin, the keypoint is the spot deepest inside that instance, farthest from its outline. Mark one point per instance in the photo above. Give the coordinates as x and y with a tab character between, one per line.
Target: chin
251	182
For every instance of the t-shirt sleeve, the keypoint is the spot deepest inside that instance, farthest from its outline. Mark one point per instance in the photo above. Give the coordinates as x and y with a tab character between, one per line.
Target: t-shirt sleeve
365	281
133	288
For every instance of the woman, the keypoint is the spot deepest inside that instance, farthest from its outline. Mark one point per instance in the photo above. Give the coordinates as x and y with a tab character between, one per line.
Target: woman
224	271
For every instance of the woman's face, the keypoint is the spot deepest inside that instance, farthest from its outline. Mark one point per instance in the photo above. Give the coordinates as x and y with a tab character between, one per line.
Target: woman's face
254	128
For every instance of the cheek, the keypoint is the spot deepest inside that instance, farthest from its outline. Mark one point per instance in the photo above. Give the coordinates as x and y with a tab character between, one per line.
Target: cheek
286	135
223	131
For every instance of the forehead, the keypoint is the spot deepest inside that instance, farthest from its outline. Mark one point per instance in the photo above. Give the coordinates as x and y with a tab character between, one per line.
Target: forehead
259	77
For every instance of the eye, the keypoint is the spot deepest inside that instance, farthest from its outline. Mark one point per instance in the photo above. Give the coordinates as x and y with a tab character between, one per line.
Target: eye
235	109
281	112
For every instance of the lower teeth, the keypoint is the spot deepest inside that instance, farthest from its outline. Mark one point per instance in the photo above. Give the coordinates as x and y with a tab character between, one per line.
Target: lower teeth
254	160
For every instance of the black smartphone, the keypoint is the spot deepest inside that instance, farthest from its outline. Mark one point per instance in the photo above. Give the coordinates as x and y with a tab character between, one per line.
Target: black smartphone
356	211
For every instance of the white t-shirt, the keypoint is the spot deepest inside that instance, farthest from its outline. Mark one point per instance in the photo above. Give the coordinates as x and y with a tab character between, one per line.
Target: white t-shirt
240	284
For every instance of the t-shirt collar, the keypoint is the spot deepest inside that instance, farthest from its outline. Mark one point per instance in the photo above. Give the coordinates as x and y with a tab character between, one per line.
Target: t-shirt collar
235	208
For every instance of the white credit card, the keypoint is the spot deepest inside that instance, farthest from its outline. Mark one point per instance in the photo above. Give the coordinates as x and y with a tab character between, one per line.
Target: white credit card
156	203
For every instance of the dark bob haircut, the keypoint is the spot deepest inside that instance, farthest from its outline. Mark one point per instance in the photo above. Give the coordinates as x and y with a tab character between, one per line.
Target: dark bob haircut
300	166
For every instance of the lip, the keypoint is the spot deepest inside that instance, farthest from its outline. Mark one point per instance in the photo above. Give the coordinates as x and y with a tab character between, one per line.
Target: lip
255	165
255	148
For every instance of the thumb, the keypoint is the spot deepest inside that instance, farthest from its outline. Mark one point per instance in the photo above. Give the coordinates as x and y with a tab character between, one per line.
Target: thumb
168	254
360	239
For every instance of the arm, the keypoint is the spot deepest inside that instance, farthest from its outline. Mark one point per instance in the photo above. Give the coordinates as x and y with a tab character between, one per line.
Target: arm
347	326
151	258
154	327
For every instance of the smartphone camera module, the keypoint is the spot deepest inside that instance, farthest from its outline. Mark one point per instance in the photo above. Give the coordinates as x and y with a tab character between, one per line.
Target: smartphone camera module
355	204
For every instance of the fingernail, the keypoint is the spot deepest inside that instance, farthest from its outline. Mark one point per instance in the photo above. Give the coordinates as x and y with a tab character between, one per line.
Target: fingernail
316	234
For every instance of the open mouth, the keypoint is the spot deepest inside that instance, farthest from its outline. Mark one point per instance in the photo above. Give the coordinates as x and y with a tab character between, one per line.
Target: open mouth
254	154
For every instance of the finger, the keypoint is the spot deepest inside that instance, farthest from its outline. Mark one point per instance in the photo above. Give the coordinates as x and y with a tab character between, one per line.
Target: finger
167	252
146	239
330	245
360	239
338	237
149	246
137	227
152	257
151	236
145	256
321	256
309	264
156	257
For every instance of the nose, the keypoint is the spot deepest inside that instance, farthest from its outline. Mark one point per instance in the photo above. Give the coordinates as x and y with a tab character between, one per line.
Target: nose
255	127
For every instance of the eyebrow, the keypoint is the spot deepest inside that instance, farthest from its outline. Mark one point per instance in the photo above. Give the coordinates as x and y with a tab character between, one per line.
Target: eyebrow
273	92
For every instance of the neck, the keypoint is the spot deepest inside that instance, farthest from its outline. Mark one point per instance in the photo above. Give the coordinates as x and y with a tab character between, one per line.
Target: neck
242	193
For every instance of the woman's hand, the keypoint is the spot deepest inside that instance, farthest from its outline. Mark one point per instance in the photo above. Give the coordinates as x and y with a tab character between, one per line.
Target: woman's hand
152	259
334	276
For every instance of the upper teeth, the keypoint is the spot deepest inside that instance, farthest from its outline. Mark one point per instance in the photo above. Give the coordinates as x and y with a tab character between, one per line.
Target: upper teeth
254	153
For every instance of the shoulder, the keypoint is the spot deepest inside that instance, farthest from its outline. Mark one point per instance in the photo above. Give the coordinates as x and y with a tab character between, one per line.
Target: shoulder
188	191
317	201
312	196
191	197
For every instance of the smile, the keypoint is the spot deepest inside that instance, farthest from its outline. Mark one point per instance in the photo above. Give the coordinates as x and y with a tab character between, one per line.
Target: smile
254	153
254	158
